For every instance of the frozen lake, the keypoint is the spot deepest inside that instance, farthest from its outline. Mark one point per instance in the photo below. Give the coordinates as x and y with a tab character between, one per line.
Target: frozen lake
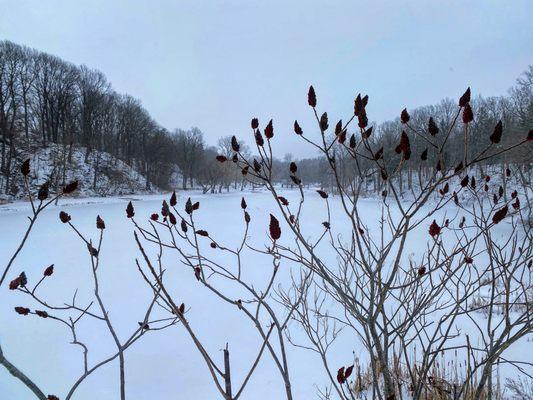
164	364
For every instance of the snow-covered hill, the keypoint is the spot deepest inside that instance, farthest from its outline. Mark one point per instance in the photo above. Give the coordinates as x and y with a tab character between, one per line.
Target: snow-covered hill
99	174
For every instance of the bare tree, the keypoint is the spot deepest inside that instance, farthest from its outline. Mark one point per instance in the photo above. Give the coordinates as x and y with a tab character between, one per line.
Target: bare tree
385	297
178	232
189	145
70	314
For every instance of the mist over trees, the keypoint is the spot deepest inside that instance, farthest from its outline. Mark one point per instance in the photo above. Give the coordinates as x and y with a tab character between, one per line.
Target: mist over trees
47	101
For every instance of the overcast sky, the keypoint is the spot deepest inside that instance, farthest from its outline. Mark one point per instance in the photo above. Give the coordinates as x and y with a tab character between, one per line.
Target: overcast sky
216	64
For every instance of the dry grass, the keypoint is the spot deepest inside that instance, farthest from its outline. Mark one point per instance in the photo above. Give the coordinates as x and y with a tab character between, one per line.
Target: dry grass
442	383
520	388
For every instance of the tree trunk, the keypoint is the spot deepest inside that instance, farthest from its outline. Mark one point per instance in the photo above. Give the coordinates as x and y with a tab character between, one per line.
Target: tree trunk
227	374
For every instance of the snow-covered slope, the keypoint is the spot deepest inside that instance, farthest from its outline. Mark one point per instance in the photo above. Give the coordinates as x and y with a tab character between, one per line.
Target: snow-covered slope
51	163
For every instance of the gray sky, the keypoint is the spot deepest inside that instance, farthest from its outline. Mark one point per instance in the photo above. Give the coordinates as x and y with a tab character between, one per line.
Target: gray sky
216	64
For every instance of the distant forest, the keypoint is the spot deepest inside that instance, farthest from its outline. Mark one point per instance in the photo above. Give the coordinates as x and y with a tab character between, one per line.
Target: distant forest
47	101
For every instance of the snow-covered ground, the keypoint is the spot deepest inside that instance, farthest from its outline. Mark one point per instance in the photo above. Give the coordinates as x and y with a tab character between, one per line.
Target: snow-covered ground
162	365
114	176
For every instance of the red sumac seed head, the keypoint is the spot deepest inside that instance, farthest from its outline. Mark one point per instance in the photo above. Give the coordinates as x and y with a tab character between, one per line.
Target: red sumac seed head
173	199
362	119
348	371
165	209
293	167
14	284
255	123
324	122
275	230
322	194
358	105
297	129
172	218
23	279
22	310
49	270
465	98
235	144
188	206
434	229
25	168
130	211
404	116
352	141
500	214
100	224
64	217
338	128
259	139
341	379
311	97
269	130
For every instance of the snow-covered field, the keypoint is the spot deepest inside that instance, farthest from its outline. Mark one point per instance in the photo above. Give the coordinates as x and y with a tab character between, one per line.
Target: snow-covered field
165	364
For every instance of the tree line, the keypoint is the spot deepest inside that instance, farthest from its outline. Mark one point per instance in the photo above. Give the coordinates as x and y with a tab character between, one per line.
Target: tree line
45	100
513	112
